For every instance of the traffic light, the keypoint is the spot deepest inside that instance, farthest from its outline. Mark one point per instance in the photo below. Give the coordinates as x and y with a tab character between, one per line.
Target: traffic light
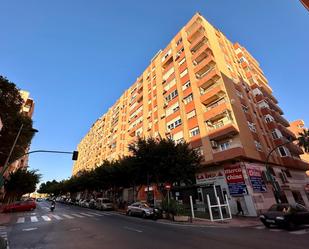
75	155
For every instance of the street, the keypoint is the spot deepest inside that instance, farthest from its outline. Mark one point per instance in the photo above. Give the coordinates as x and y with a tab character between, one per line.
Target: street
75	227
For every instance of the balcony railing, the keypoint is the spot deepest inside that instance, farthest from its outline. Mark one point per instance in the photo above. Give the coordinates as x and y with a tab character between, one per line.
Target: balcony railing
211	106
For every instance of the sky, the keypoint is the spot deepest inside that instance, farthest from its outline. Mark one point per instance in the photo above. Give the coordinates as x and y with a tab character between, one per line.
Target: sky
77	57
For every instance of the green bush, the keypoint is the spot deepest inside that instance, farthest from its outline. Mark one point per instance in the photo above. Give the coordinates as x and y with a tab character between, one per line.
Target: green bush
173	207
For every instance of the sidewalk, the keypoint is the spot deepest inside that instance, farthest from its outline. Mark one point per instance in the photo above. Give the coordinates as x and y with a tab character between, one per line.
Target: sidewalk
236	221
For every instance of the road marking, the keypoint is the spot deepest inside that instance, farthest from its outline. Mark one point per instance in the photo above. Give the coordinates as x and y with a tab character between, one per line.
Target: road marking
260	227
30	229
46	207
57	217
46	218
95	214
34	219
133	229
275	230
300	232
77	215
21	220
68	216
89	215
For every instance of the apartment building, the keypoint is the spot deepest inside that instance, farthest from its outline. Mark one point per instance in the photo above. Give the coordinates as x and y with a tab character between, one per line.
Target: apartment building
212	93
27	109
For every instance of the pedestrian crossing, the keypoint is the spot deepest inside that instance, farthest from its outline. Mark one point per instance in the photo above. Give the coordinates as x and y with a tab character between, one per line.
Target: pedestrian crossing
297	232
57	217
3	234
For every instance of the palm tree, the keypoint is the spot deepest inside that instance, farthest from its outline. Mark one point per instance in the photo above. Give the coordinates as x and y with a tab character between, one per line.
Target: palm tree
303	140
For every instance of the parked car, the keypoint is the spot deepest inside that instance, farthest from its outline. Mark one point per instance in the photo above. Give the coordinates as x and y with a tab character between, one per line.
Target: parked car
286	216
20	206
39	199
143	210
92	203
104	204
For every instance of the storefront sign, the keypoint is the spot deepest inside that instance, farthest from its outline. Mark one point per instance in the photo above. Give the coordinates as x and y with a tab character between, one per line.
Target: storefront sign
208	177
235	180
257	182
307	188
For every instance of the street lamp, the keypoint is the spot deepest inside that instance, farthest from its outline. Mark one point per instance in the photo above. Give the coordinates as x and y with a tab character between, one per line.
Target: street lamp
275	185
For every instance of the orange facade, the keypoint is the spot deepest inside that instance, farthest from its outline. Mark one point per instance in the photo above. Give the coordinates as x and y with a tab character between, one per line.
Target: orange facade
203	89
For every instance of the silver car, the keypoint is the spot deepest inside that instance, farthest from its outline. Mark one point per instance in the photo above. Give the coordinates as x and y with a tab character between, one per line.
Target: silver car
140	209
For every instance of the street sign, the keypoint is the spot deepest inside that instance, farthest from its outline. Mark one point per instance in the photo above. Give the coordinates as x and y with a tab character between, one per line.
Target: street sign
167	186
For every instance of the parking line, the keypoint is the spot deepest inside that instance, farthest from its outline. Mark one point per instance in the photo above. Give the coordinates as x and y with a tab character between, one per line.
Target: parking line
77	215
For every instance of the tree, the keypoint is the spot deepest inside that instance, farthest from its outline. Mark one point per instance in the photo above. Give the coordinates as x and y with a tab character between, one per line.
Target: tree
303	140
12	118
21	182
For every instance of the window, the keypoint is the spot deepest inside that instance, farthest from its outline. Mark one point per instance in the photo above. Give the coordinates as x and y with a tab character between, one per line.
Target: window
172	109
239	94
182	61
168	73
276	134
287	173
183	73
191	114
258	145
194	132
245	108
171	96
186	85
251	126
199	151
283	151
268	118
188	99
173	124
225	145
179	41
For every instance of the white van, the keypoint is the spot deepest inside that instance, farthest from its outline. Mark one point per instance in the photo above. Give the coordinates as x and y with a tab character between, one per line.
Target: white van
104	204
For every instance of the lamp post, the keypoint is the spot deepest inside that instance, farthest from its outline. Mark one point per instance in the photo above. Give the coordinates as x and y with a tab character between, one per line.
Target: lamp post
275	185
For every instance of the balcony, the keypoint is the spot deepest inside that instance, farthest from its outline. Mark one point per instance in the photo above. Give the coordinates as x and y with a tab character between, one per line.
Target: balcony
213	92
202	52
280	119
274	106
285	132
271	125
196	30
222	130
216	109
204	65
207	77
198	43
259	98
265	111
294	163
235	151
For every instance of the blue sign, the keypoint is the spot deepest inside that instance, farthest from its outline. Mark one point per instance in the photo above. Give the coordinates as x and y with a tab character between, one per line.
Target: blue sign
237	189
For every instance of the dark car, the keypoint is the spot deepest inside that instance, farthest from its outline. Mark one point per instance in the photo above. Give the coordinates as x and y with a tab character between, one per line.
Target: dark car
286	216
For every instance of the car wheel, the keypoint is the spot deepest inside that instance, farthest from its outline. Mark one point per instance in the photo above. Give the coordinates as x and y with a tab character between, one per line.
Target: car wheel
266	224
129	213
143	215
291	226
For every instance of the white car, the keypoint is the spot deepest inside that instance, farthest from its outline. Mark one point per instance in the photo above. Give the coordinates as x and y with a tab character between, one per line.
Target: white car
104	204
140	209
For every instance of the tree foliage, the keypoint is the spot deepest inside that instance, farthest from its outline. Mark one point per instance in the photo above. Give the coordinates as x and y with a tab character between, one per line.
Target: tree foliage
12	119
152	161
21	182
303	140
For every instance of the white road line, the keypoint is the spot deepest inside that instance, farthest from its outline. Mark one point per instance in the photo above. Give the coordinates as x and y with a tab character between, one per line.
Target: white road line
96	214
30	229
133	229
68	216
21	220
89	215
57	217
46	218
77	215
300	232
34	219
260	227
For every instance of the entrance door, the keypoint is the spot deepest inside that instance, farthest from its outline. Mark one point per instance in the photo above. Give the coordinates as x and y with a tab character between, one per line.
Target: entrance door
209	190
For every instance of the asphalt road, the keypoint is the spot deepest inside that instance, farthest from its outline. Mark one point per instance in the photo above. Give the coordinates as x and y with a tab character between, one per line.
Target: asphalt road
80	228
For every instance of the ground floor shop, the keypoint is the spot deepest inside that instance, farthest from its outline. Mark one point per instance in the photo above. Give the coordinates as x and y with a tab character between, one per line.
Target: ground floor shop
247	184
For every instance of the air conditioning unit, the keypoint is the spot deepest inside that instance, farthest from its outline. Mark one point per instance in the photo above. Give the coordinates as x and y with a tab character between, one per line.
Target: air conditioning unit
214	144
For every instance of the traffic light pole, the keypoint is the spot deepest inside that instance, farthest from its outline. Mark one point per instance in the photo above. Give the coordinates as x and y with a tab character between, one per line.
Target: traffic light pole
74	157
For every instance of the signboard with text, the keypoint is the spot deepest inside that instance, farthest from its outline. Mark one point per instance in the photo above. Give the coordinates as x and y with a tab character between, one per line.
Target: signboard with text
235	180
256	179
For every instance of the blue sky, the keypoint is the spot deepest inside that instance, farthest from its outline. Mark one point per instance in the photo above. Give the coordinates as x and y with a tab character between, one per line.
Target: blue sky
76	57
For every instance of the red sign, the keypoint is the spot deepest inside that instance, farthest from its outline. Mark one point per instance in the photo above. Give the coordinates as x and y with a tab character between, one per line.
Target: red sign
234	174
167	186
